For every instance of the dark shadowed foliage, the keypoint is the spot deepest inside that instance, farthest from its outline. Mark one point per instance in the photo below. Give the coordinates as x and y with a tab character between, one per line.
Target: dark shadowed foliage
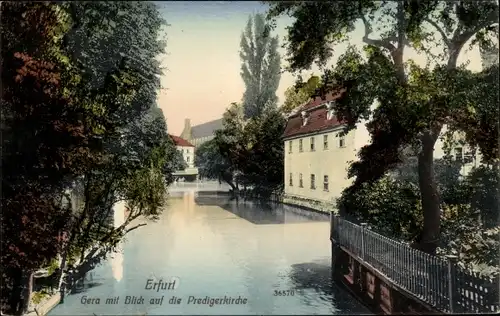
414	103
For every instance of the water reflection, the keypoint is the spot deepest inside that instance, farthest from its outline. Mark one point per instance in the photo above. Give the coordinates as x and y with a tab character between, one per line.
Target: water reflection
315	278
261	213
218	247
117	258
117	266
119	214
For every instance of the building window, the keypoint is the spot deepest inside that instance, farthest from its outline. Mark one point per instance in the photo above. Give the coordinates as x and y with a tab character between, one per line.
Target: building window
325	183
291	179
301	184
325	141
312	143
187	158
468	157
458	153
300	145
341	141
290	147
313	182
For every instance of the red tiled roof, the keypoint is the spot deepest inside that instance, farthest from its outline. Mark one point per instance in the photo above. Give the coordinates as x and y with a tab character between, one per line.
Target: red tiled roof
316	121
180	141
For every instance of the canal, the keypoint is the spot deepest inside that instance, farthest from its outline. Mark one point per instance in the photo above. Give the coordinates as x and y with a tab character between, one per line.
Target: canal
225	257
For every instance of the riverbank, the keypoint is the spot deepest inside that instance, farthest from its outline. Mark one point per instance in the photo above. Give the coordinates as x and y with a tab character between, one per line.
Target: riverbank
308	204
45	306
305	204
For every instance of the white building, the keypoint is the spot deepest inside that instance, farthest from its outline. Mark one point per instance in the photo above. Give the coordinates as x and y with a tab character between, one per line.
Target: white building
317	156
187	150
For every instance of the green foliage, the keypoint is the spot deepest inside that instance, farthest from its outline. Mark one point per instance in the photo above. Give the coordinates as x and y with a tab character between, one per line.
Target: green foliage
483	187
263	167
253	148
452	190
466	237
414	103
211	164
45	143
38	297
300	94
175	160
470	211
308	41
52	266
79	81
391	207
260	68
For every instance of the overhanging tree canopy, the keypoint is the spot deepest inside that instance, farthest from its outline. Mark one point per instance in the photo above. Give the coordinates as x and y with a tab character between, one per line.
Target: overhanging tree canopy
415	103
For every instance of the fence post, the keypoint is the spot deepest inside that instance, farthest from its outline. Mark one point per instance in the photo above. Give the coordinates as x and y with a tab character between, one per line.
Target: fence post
334	240
452	260
363	228
332	225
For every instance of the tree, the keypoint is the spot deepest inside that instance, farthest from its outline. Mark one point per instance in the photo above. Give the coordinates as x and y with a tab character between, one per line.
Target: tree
298	95
253	148
212	165
260	68
104	36
231	141
133	173
62	125
414	106
263	167
46	142
175	160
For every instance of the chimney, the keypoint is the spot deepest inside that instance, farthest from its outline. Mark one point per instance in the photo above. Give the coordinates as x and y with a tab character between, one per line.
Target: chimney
187	123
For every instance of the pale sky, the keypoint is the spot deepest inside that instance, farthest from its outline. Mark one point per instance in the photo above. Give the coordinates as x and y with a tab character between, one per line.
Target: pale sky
203	62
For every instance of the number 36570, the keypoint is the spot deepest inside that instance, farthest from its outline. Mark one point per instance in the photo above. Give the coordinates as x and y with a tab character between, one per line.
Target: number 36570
284	293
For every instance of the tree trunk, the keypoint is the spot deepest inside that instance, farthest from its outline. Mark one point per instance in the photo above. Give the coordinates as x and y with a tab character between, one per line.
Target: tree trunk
27	290
15	274
62	278
429	196
21	292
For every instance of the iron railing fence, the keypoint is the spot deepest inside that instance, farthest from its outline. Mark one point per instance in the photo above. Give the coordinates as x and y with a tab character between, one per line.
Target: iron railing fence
436	281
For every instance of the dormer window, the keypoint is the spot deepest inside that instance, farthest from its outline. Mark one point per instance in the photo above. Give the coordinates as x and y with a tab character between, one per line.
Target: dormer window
329	114
305	118
329	110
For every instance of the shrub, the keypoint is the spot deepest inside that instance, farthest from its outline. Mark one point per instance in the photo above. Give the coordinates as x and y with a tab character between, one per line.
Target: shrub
391	207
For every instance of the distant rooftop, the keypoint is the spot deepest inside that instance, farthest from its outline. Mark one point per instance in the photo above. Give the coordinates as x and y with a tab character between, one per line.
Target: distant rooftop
206	129
180	141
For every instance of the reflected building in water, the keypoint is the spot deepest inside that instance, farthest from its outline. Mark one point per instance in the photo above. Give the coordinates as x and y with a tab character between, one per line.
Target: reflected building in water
120	213
215	247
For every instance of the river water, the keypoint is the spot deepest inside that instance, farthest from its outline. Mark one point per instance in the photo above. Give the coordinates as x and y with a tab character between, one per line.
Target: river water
239	257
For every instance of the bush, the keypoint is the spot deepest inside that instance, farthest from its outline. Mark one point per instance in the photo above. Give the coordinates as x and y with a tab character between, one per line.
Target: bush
469	227
390	206
37	297
482	186
464	235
